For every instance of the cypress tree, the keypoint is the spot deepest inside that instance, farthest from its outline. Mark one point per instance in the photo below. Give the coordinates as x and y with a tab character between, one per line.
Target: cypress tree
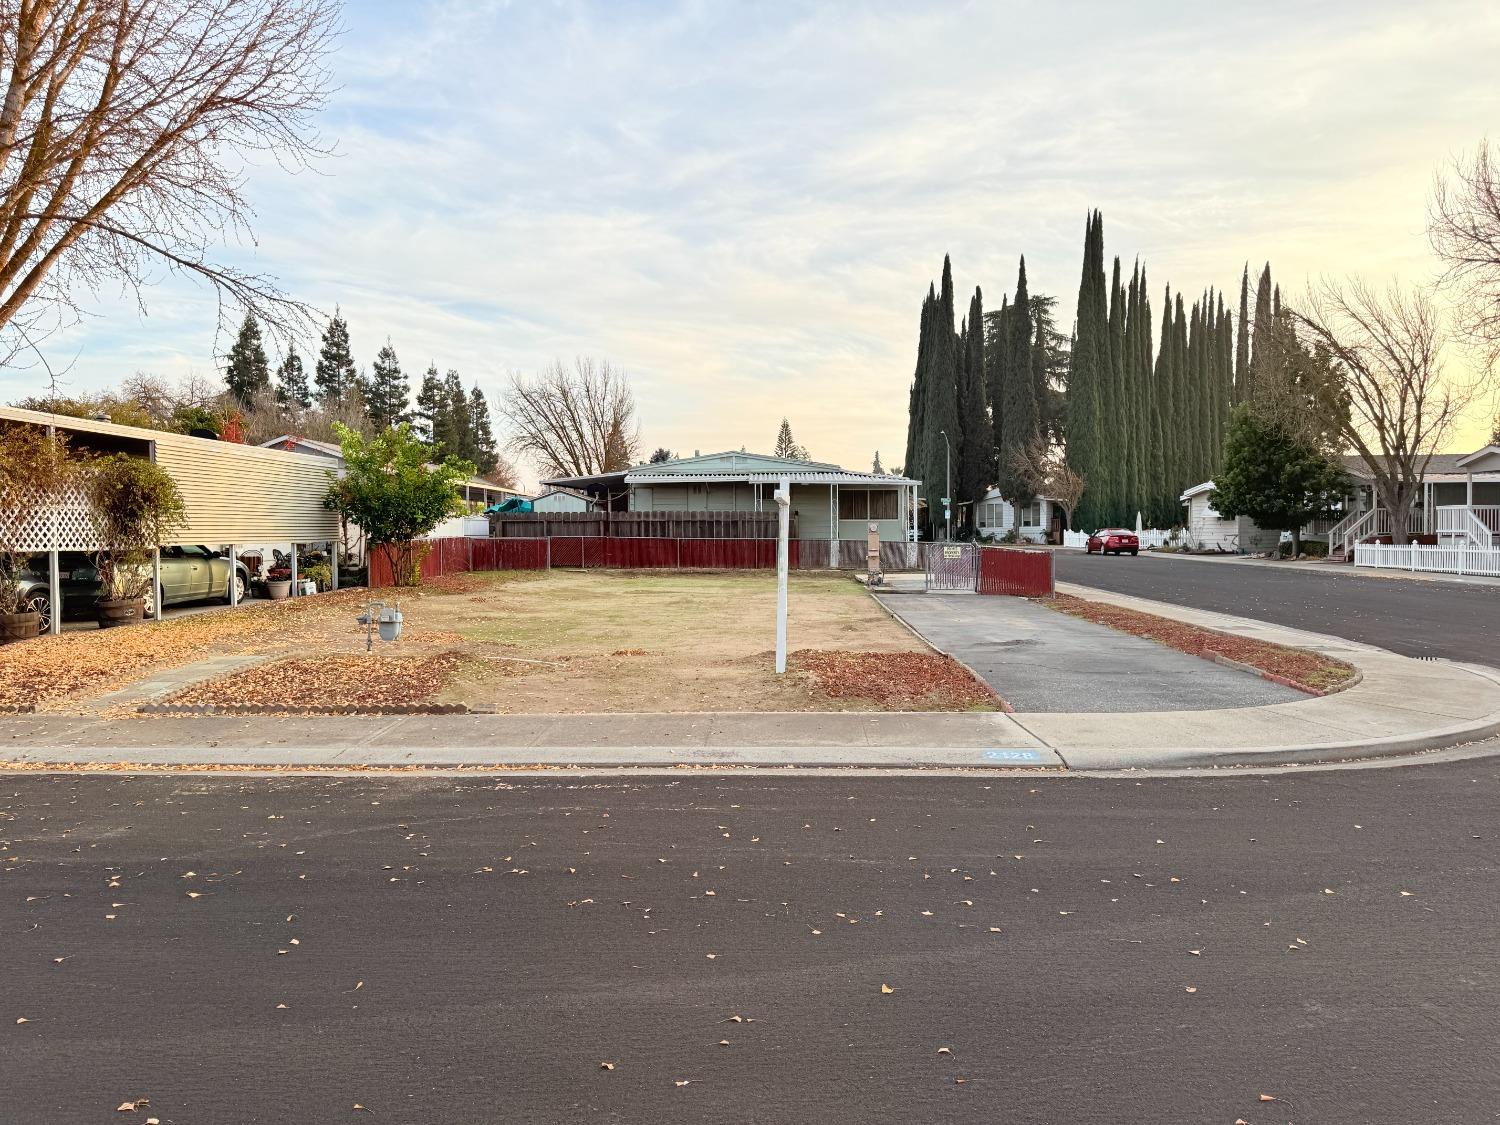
1085	375
915	450
1018	407
1261	331
997	367
1181	413
335	375
1114	432
1166	428
291	383
389	390
940	418
247	372
978	471
1041	382
1242	341
1134	395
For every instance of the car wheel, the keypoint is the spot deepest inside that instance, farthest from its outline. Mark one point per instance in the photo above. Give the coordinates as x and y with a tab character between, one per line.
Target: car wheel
148	605
243	591
1135	552
41	603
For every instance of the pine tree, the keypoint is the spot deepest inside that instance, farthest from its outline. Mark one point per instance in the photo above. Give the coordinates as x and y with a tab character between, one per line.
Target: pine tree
247	372
977	473
431	415
786	446
291	383
997	346
877	468
389	390
456	435
484	452
335	375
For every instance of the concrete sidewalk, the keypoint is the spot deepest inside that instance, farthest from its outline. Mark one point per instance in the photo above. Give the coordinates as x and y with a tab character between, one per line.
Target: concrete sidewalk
1400	706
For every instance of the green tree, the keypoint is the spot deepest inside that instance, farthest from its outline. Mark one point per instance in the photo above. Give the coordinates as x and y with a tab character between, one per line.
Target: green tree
1090	360
246	371
1275	476
455	435
431	414
1242	341
1019	417
1260	327
1495	431
395	496
942	431
661	454
916	401
786	445
877	468
975	471
291	383
389	392
484	451
335	374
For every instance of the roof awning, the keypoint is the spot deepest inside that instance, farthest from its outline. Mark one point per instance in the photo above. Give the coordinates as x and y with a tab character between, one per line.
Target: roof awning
811	476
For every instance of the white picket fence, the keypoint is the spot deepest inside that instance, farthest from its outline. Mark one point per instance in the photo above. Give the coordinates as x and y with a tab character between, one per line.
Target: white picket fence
1440	560
1150	537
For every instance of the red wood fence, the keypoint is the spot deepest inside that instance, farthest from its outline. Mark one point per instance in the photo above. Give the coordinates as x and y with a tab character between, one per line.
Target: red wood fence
457	556
1022	574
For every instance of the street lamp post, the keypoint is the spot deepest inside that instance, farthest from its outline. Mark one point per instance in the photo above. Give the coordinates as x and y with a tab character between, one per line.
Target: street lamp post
948	492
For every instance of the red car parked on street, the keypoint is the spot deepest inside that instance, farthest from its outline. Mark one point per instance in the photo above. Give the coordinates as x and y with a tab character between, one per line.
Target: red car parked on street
1113	541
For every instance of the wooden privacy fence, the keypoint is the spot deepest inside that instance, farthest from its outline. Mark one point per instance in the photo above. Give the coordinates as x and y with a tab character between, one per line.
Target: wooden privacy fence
637	525
459	556
1022	574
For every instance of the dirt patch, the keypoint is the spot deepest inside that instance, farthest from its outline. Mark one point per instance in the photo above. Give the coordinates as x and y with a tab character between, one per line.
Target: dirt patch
898	680
1299	668
330	683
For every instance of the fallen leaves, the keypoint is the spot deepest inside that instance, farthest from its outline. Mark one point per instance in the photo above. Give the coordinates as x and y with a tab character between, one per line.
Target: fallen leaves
132	1106
886	990
330	682
915	680
1309	671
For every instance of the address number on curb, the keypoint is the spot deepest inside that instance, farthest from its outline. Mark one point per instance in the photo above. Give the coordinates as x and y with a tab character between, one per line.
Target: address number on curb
1011	755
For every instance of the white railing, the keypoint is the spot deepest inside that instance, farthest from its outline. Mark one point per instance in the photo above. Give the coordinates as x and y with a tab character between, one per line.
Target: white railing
1150	537
1356	526
1438	560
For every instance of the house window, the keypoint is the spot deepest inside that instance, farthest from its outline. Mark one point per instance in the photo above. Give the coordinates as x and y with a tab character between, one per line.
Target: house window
868	504
1031	514
992	513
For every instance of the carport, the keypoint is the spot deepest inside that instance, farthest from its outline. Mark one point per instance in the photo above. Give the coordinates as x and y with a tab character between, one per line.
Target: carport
232	494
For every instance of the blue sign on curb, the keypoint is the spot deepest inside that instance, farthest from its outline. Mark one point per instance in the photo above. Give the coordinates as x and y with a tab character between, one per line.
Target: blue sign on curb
1011	755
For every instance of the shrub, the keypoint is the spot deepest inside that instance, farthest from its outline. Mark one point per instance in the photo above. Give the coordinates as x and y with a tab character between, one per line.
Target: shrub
33	468
137	506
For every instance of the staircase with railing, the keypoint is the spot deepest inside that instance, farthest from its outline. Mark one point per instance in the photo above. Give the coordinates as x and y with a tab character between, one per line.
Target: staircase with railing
1469	526
1354	527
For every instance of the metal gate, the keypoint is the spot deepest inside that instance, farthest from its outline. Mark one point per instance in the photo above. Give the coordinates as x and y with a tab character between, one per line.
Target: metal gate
951	566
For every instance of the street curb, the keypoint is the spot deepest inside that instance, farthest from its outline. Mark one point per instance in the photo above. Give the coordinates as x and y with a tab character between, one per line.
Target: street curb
270	709
1284	681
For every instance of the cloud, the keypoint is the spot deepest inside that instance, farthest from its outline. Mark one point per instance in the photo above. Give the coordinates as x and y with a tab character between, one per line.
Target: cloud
743	206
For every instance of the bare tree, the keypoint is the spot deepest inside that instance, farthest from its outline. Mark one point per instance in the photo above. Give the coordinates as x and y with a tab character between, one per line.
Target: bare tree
574	422
1045	471
1463	223
122	130
1402	402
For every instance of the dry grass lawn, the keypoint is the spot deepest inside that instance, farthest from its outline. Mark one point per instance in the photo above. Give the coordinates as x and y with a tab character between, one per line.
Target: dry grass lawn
561	641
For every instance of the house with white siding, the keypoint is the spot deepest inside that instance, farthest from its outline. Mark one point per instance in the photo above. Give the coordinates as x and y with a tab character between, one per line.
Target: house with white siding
828	503
1040	521
1207	530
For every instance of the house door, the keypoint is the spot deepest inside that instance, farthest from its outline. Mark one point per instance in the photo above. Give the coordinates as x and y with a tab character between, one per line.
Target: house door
951	566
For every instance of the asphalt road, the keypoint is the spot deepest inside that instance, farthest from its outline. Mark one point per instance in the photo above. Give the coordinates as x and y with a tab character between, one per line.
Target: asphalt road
1409	616
751	949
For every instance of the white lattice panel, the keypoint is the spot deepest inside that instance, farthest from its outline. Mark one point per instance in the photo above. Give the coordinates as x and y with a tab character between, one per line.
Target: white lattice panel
67	524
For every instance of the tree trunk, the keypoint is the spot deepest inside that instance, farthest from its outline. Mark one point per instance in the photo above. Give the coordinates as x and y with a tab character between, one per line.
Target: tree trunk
1296	542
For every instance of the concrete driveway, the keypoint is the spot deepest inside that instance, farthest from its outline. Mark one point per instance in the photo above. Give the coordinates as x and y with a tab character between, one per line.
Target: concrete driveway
1042	660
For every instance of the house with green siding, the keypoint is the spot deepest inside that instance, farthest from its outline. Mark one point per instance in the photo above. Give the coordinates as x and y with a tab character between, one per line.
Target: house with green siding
831	504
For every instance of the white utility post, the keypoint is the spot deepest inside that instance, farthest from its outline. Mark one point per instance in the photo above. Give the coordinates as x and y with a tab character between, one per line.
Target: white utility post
234	575
333	553
156	597
294	570
54	573
783	524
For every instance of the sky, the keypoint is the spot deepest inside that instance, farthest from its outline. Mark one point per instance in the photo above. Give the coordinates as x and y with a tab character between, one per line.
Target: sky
742	206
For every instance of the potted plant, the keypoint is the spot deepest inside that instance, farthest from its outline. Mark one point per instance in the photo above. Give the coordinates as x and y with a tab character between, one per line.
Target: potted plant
33	468
137	506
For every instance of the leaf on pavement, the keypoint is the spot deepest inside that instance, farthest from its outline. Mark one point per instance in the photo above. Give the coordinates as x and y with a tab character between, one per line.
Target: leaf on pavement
886	990
606	1066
